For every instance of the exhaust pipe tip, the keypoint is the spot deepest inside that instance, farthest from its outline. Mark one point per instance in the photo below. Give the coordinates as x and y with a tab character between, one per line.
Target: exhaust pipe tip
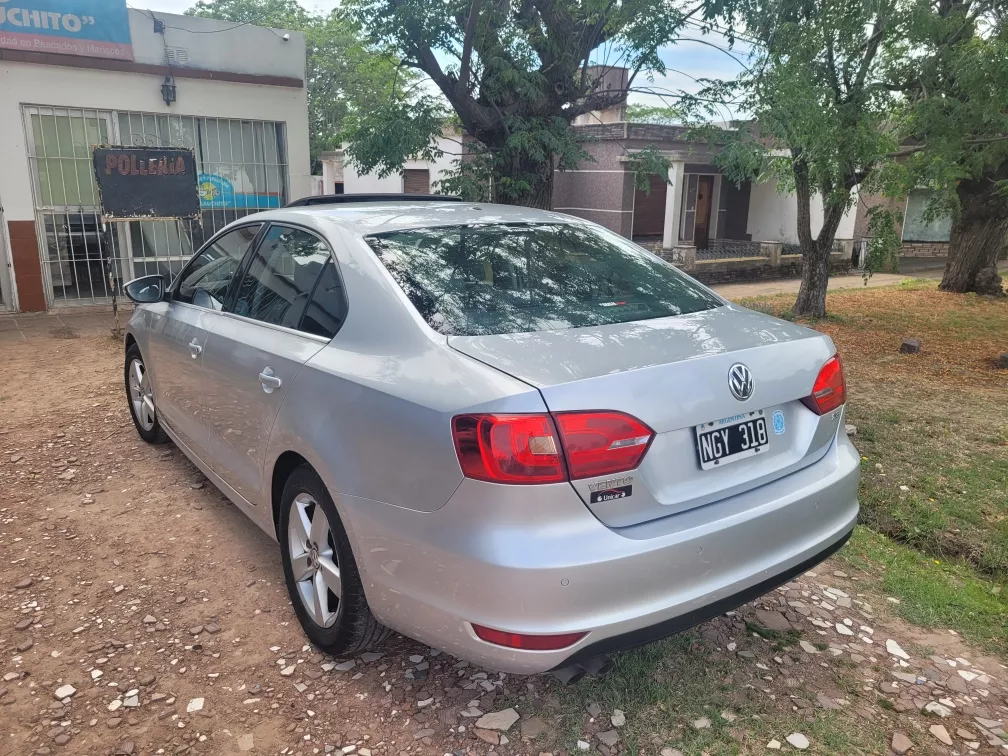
570	675
598	666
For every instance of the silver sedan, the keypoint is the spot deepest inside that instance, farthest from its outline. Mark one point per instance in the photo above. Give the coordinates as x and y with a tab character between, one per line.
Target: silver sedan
508	433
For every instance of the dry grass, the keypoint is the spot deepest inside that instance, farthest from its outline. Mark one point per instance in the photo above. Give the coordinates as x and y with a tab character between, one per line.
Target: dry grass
932	427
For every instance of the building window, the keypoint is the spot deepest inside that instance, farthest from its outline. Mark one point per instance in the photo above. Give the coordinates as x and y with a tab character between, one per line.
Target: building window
916	228
242	169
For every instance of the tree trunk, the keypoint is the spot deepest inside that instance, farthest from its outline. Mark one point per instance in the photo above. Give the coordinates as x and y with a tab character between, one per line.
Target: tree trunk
520	179
977	236
811	301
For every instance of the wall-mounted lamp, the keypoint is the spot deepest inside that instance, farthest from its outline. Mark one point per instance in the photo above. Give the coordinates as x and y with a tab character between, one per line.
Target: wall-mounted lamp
168	90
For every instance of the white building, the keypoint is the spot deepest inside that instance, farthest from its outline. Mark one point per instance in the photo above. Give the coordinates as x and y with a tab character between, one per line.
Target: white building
417	176
235	94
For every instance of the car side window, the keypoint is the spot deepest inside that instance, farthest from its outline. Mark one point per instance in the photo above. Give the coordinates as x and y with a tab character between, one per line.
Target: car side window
280	277
328	305
205	282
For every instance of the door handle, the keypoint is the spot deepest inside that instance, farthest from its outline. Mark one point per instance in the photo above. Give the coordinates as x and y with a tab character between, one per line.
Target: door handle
195	349
269	380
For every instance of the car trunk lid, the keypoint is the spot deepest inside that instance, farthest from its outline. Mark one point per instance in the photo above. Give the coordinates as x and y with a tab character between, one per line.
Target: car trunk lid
672	374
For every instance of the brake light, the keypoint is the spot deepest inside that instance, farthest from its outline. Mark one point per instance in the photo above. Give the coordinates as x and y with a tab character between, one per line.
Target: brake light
508	448
602	443
527	642
830	389
528	449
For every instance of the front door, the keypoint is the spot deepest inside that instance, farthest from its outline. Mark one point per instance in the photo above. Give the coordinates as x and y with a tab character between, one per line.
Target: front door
701	232
256	350
179	333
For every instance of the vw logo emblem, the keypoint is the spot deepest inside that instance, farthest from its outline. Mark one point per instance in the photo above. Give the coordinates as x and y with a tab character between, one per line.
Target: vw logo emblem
740	381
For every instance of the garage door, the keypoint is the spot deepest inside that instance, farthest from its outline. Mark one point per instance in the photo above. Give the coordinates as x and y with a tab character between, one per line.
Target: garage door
649	209
417	181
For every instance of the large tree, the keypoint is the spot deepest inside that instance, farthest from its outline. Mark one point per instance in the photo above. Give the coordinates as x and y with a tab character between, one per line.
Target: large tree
515	74
345	75
819	112
954	126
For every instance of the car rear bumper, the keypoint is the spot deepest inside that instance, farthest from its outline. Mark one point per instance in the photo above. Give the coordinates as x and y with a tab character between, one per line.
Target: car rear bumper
534	560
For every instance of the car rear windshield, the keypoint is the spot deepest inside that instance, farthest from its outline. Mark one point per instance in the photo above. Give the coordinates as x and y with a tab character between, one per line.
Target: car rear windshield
509	278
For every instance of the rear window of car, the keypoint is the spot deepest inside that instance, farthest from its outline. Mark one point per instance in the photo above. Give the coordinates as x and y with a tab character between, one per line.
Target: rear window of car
510	278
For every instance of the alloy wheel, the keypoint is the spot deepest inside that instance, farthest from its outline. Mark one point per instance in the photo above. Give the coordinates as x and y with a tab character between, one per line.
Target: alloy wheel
313	560
141	395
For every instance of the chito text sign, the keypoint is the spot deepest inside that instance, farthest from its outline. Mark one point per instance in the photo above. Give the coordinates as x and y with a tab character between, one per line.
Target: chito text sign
92	28
146	182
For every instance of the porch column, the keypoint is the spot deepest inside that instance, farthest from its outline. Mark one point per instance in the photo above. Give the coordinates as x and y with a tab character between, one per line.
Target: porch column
673	205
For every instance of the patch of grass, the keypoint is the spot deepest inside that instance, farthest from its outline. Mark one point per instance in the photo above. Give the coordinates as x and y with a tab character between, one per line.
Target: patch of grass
933	593
663	688
932	478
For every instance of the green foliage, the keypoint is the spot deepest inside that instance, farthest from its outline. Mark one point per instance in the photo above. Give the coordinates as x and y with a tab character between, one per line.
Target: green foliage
884	242
820	114
345	76
283	14
516	76
646	163
663	115
953	117
382	135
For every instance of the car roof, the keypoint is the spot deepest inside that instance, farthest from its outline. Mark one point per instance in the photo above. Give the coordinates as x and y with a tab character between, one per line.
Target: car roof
368	218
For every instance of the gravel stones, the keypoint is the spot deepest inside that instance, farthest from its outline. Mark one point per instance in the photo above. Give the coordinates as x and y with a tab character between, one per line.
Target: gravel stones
894	648
941	734
64	691
797	740
900	743
498	720
773	621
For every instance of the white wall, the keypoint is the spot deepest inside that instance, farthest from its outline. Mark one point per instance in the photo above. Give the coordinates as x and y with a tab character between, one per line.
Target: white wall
355	183
218	45
29	84
774	217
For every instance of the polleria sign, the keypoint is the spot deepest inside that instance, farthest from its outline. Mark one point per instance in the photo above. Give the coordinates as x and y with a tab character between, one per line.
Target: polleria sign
91	28
146	182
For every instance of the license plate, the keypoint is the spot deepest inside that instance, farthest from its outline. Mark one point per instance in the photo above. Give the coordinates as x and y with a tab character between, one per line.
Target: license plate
731	439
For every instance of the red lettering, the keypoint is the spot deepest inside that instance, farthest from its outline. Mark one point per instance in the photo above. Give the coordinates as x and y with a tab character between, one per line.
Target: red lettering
134	171
162	167
110	163
124	165
152	166
180	165
143	167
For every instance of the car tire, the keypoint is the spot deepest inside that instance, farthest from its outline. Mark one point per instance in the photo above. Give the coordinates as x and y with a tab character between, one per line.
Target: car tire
338	624
140	398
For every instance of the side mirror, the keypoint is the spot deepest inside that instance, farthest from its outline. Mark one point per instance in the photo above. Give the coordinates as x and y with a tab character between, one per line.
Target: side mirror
146	289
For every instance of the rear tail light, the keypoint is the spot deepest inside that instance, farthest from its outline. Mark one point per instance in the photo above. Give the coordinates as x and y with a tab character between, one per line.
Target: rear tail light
602	443
527	642
530	448
830	389
508	448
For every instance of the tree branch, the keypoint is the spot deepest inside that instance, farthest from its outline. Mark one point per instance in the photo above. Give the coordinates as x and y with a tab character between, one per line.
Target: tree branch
467	45
966	142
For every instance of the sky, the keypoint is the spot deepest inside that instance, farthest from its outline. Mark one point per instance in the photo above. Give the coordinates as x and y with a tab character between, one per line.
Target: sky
687	60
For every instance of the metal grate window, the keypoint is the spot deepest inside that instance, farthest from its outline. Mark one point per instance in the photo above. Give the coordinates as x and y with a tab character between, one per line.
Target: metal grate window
242	169
79	253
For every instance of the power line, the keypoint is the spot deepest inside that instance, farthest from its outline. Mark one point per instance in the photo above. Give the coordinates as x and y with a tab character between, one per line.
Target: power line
237	25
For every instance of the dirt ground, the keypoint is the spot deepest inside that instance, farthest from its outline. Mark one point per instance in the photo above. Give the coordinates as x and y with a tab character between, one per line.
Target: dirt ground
128	576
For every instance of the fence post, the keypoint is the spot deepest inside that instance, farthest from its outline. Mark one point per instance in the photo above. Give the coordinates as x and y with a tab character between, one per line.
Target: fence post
772	250
689	257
